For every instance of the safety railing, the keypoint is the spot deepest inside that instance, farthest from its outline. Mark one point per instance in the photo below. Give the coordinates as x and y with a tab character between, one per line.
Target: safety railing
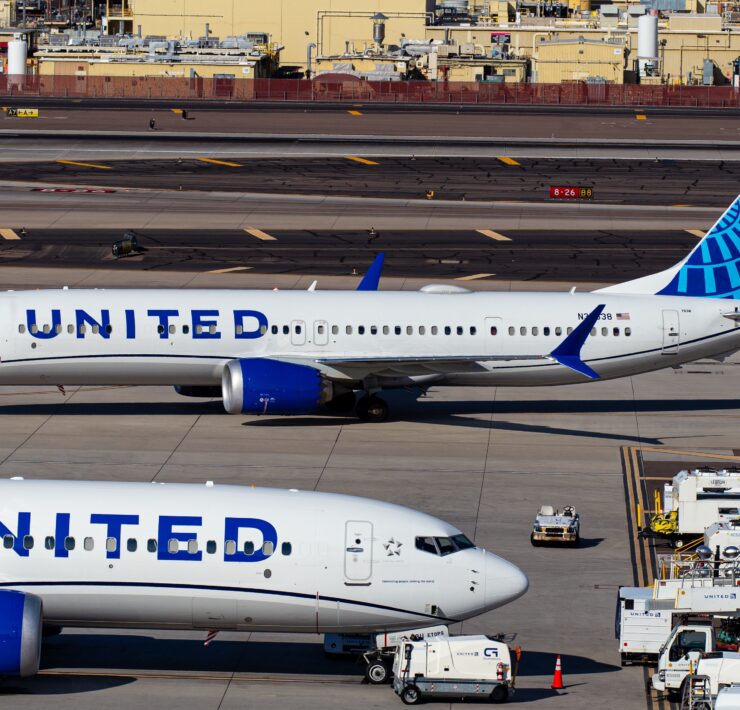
351	90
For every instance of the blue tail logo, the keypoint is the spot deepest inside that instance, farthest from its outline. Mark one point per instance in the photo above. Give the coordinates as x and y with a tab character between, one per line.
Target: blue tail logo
712	270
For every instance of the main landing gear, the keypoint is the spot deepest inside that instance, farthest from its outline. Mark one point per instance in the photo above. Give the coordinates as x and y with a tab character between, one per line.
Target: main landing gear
372	408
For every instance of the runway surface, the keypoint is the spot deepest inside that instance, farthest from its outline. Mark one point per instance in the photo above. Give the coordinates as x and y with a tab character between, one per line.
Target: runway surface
632	182
605	255
360	119
483	458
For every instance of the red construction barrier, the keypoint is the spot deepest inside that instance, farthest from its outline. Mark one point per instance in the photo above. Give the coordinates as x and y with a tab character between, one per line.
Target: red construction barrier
350	89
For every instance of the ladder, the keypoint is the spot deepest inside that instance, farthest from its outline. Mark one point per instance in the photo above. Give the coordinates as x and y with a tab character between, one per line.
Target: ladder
697	694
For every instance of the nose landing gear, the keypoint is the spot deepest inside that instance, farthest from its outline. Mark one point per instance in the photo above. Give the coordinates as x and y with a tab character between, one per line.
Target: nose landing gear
372	408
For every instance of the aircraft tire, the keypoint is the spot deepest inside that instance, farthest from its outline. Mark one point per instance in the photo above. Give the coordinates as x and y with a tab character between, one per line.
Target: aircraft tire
372	409
377	673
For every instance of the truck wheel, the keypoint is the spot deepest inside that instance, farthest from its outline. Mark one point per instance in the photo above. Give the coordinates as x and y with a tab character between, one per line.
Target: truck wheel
411	695
500	694
535	543
577	541
377	673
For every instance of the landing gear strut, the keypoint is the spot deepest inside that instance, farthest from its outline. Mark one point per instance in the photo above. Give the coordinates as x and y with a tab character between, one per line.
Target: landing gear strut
372	409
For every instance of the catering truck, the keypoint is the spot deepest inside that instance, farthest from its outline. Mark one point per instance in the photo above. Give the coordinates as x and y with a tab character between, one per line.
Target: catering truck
641	630
458	667
693	501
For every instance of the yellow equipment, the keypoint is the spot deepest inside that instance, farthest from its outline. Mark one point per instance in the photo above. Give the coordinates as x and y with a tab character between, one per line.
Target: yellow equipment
664	523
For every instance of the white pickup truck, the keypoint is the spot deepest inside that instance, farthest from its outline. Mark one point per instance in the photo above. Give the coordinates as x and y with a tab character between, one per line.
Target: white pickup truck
458	667
552	525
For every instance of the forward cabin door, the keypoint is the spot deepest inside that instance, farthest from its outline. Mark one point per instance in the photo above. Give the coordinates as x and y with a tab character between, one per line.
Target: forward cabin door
358	553
671	333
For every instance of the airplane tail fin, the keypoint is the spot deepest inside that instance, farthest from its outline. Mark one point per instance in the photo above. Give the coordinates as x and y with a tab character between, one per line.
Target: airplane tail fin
711	270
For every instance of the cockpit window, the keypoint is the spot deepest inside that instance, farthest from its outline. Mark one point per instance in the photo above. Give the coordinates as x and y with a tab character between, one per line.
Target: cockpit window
444	545
426	544
462	542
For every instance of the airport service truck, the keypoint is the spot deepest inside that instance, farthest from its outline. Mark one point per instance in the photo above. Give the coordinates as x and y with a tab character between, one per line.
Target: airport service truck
721	670
641	630
694	500
458	667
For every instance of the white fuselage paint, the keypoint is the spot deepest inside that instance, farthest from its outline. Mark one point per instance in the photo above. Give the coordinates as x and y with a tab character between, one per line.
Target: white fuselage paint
324	319
340	563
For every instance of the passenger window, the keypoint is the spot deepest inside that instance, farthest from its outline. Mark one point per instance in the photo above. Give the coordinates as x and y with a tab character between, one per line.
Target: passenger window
523	330
212	329
348	330
239	329
160	329
8	541
448	330
69	543
274	330
473	330
21	328
58	328
422	330
131	544
569	330
34	328
192	546
47	328
546	330
460	330
287	548
286	330
426	544
230	547
512	330
88	544
298	330
173	546
151	545
558	330
409	330
248	548
335	330
397	330
211	547
268	548
70	329
320	329
109	329
386	330
199	330
616	331
435	330
535	330
49	543
95	329
361	329
111	544
593	332
373	330
185	329
28	542
605	331
628	332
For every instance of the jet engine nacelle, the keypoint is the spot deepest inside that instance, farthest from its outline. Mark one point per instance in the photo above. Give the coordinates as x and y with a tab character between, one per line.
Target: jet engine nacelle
20	633
261	386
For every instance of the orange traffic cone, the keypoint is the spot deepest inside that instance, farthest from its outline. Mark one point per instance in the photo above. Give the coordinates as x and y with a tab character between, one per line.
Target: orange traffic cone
557	680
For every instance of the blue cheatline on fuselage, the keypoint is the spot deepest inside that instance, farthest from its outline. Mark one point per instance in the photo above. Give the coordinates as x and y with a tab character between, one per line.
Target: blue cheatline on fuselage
712	270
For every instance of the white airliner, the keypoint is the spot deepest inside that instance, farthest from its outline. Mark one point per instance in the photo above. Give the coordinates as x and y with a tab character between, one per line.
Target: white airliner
288	352
212	557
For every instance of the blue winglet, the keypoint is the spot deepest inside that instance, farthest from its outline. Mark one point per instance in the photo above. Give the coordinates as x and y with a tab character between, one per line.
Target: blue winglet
568	353
371	279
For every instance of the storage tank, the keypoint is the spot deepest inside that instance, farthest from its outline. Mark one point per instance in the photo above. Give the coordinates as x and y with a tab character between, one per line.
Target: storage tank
17	55
647	45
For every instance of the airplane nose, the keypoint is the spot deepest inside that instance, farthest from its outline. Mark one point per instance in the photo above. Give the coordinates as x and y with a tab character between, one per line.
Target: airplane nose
505	582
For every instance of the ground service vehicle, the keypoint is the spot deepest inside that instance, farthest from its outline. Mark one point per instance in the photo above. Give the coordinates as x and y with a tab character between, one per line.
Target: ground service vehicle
679	656
552	525
458	667
641	631
379	659
722	669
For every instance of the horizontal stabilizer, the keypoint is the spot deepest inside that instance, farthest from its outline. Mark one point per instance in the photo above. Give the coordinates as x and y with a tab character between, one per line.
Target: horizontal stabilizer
568	353
371	279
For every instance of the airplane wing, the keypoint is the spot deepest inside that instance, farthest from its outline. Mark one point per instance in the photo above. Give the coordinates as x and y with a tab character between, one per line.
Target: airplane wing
568	354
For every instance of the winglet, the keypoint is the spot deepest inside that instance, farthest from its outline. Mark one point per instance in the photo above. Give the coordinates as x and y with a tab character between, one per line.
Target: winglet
568	353
371	279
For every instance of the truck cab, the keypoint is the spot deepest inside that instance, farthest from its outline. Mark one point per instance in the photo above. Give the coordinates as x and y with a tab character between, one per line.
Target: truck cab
685	645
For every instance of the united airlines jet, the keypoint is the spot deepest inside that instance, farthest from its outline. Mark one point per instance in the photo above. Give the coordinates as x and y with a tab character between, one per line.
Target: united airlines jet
289	352
213	557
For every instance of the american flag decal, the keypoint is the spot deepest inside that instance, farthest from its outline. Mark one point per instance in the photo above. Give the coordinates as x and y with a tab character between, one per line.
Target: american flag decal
623	316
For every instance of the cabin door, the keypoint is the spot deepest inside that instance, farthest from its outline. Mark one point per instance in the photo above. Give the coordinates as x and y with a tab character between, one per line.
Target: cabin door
671	333
358	552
